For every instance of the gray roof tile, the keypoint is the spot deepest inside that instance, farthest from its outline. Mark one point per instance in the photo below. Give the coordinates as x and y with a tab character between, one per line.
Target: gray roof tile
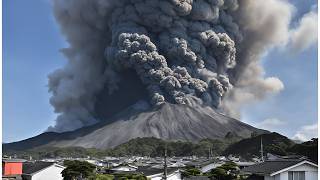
269	167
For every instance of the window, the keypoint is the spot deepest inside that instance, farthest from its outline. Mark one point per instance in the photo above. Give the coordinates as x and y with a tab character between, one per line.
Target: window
296	175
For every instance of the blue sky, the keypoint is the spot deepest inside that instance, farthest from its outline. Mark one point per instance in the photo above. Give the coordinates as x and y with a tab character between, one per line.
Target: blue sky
31	43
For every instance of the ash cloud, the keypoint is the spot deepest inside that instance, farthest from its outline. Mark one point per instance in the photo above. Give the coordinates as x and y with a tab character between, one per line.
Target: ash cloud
305	34
181	50
264	25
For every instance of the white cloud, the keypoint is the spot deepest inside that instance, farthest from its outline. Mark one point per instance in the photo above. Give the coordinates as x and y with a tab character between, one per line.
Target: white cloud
306	132
305	34
270	124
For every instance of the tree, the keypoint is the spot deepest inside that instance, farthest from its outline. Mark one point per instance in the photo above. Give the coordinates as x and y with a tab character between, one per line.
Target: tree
191	172
102	177
230	166
130	177
228	171
77	169
219	173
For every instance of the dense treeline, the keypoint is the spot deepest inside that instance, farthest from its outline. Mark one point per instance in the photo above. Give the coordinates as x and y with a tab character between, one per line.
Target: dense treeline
273	143
308	149
246	148
148	146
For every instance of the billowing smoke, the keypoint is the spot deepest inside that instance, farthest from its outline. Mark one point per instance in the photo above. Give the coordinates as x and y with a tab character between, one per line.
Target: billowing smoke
264	25
306	33
180	50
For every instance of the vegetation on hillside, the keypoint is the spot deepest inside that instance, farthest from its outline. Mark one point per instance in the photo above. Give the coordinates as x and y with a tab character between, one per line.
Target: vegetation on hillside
272	143
155	147
147	146
308	149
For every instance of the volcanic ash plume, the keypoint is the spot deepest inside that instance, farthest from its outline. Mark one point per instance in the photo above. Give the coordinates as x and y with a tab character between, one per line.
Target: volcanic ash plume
181	51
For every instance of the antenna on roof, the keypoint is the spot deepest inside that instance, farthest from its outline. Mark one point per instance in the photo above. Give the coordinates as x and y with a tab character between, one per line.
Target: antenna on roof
261	150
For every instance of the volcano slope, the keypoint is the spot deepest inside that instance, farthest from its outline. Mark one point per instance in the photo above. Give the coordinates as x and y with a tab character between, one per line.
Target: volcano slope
168	122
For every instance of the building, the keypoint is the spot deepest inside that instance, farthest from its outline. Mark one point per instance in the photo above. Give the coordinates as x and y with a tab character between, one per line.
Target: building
12	168
207	167
157	174
42	170
244	164
124	168
283	170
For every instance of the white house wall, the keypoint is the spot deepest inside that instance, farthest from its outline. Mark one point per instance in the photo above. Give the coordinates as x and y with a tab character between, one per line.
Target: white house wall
277	177
311	172
312	175
51	173
284	176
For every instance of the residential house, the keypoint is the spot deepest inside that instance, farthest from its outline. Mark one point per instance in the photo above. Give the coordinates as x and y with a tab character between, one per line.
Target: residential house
207	167
157	173
42	170
124	168
243	164
289	169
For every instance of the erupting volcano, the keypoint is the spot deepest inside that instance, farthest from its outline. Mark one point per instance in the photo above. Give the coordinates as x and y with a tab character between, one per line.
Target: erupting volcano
171	69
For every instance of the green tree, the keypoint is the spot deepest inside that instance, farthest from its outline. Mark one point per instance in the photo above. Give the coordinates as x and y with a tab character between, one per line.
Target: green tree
191	172
102	177
230	166
219	173
228	171
77	169
130	177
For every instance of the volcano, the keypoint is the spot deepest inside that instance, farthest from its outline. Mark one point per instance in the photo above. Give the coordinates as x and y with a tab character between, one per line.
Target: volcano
169	122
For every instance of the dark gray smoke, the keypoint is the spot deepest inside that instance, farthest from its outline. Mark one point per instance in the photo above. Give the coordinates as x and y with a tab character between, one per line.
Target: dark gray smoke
180	50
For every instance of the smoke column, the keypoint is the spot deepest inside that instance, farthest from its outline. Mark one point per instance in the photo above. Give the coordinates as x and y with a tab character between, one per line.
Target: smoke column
182	51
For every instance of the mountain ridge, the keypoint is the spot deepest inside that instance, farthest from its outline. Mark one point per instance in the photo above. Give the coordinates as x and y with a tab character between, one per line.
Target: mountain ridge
168	122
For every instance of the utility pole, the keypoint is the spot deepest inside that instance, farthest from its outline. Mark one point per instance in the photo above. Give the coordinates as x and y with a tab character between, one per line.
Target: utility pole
165	163
261	150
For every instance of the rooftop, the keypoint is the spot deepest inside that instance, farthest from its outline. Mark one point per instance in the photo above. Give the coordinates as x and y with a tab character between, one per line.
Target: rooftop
33	167
13	160
147	171
269	167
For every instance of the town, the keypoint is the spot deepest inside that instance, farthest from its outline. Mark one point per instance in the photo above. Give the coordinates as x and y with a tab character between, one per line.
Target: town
267	166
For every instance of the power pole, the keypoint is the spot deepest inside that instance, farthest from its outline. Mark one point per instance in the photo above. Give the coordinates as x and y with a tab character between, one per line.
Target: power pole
165	164
261	150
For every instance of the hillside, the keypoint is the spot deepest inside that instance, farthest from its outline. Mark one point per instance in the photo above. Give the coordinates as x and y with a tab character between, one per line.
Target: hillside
308	149
147	146
155	147
168	122
272	143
